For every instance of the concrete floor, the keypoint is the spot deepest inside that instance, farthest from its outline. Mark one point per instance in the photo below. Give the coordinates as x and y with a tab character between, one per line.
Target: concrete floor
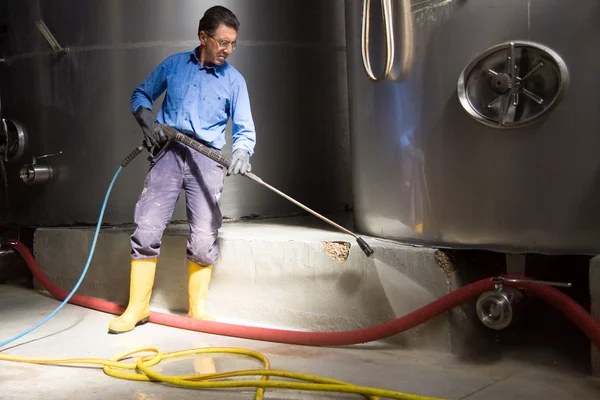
79	332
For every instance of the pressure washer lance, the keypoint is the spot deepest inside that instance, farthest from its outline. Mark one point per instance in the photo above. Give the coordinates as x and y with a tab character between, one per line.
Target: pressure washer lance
180	137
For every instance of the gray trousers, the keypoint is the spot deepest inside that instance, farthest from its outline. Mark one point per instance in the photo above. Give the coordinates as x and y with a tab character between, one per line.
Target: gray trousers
174	168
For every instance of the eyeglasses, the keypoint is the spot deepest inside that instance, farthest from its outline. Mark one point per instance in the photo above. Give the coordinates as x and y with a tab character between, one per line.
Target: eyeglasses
223	44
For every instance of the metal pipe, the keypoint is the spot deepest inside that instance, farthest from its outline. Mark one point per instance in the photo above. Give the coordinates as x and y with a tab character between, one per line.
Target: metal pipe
386	11
406	40
407	43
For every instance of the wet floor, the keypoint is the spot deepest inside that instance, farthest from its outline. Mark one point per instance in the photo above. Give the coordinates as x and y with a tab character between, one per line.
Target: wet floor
79	332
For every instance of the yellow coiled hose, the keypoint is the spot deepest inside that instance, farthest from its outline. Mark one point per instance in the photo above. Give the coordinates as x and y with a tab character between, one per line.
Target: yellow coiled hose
115	367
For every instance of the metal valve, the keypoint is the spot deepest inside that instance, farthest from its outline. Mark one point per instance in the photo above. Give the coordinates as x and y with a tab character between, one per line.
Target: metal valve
499	308
35	174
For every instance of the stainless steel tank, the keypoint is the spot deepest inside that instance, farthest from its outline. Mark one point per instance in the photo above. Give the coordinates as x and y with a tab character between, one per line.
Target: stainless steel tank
76	103
485	132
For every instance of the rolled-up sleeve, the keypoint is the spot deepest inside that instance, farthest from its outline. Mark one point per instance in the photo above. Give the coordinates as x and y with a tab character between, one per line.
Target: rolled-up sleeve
243	131
151	89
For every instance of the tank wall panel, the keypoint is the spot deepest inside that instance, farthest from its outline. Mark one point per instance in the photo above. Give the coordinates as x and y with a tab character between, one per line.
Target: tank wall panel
79	103
420	158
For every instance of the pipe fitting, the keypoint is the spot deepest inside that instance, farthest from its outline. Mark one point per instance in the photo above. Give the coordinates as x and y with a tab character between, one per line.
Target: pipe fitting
34	173
499	308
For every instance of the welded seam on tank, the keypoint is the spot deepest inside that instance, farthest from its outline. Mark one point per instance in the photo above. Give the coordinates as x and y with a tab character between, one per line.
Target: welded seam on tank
181	43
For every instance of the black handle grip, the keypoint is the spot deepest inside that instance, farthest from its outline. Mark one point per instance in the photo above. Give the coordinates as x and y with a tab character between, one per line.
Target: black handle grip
365	247
132	155
194	144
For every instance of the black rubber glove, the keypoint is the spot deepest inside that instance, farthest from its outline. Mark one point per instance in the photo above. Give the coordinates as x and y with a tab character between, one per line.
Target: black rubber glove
240	162
152	131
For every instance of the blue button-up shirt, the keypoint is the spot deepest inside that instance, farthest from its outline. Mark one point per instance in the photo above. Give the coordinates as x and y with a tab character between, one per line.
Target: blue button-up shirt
200	100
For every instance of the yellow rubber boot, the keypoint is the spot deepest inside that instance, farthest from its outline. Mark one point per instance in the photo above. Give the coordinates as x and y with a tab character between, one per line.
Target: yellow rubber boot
140	290
199	278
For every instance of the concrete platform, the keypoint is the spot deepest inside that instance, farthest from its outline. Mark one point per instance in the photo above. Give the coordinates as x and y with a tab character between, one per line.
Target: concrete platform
80	332
274	273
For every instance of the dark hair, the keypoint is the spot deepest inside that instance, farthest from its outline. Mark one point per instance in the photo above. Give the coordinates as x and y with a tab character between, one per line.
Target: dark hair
215	16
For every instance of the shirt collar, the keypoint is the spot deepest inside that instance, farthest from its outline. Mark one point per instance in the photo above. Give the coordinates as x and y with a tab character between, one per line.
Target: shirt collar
215	69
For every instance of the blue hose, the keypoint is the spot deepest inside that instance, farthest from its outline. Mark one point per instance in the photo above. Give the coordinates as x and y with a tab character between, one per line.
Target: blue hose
126	161
87	265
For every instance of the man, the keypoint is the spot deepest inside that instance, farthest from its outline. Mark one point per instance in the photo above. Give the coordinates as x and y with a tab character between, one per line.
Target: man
202	92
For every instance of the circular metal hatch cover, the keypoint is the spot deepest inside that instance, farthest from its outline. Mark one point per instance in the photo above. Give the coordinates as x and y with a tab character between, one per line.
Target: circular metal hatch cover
513	84
16	140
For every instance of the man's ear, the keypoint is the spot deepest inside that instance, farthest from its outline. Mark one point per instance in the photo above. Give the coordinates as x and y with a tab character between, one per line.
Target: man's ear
202	38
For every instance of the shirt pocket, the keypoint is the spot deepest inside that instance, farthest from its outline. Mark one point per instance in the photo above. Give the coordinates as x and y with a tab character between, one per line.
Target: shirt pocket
213	108
176	91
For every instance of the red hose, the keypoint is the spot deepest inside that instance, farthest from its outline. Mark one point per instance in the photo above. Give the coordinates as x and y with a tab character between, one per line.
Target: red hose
566	305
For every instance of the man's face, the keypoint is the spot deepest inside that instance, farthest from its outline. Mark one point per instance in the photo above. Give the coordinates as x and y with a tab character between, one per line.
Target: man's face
217	47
